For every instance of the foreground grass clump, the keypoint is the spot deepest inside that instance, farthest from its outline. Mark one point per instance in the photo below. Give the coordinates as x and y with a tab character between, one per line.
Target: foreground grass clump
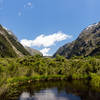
95	80
34	68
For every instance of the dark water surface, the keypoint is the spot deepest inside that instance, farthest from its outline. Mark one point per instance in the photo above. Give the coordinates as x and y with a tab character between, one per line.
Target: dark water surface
56	90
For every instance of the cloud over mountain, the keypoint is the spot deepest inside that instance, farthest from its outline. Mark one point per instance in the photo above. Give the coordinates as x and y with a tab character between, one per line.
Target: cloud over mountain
45	40
45	51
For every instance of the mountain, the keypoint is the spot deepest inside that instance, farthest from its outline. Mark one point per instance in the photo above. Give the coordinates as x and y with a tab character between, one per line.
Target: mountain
33	51
9	45
87	43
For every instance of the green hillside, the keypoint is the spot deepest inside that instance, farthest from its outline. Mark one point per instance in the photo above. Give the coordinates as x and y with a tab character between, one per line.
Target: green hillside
9	46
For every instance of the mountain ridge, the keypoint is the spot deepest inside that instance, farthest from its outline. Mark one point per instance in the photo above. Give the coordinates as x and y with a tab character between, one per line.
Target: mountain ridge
33	52
87	43
11	47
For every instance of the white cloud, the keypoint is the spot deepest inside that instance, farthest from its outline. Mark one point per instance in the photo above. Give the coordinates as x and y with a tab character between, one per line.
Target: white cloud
46	40
44	95
19	13
45	51
28	5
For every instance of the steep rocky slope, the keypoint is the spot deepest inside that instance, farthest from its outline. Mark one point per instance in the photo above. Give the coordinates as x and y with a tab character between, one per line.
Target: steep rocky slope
9	45
87	44
33	51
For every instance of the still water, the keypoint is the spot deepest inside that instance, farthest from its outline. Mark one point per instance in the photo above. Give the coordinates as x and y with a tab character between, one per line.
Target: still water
59	90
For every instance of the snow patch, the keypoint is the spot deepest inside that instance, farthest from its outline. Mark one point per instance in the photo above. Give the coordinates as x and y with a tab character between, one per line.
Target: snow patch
11	33
91	26
5	28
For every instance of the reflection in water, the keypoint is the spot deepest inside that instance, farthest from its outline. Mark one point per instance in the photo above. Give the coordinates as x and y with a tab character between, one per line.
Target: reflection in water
48	94
25	96
53	90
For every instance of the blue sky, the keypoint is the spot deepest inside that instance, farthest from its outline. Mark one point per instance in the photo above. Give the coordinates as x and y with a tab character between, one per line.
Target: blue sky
55	22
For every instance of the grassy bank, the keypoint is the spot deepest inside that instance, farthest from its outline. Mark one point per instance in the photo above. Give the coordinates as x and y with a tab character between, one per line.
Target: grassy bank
27	69
25	80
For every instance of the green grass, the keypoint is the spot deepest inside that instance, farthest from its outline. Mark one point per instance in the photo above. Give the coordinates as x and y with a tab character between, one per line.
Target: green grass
38	68
24	79
95	80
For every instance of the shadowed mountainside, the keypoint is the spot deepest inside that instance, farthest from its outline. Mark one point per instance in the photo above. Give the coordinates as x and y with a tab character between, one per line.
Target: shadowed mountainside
87	44
9	45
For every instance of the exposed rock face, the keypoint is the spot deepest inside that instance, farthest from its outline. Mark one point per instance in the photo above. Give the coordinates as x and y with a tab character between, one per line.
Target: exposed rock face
87	44
9	45
33	51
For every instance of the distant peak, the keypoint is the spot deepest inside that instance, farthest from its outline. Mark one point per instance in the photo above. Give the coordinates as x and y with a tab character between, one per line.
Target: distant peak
92	25
87	43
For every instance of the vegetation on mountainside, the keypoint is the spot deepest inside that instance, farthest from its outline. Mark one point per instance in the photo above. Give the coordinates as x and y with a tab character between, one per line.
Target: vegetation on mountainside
27	69
6	49
18	46
7	44
87	43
